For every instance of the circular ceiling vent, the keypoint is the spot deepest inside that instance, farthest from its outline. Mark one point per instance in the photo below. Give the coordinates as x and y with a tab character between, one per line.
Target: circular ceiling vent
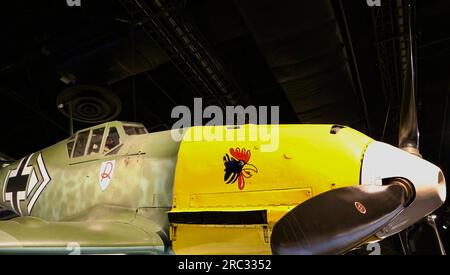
89	103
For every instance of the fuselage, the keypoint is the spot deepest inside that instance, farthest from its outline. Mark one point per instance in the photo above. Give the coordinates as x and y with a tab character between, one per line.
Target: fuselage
139	174
221	192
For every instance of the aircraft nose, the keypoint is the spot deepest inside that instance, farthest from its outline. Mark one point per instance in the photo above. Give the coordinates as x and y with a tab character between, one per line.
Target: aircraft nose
382	161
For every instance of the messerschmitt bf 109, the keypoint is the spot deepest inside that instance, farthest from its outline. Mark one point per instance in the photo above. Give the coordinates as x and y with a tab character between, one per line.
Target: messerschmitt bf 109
115	188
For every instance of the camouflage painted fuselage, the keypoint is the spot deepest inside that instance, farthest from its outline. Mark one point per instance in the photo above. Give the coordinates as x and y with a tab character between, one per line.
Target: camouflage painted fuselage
142	178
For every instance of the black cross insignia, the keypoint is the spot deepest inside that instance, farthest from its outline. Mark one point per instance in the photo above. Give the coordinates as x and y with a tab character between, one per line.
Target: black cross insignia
17	184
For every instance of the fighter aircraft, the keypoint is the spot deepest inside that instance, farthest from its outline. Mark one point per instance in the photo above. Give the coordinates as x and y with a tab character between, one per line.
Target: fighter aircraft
115	188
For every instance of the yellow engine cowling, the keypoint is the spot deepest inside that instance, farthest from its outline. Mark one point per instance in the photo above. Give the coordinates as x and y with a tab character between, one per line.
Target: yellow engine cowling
210	216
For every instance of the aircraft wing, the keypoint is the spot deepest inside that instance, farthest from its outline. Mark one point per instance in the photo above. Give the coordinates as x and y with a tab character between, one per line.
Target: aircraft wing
122	231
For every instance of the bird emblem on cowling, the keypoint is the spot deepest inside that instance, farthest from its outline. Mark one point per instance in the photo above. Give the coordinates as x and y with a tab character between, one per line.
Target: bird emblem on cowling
237	167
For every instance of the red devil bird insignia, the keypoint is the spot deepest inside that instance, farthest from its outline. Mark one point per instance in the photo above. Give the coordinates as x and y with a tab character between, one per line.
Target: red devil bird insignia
237	167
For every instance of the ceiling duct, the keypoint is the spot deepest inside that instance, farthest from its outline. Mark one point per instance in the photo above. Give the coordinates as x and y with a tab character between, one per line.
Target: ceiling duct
308	55
89	104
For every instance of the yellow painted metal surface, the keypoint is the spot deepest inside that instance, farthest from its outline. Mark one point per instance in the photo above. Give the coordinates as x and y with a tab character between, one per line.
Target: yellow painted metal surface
209	239
308	160
249	199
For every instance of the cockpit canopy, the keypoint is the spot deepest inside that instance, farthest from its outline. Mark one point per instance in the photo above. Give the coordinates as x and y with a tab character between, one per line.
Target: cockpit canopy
105	139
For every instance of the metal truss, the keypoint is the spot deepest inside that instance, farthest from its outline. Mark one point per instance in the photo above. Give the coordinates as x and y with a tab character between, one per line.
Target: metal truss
171	29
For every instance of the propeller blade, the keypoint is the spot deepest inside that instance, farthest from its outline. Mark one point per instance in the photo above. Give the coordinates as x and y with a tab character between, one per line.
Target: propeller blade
336	221
408	136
